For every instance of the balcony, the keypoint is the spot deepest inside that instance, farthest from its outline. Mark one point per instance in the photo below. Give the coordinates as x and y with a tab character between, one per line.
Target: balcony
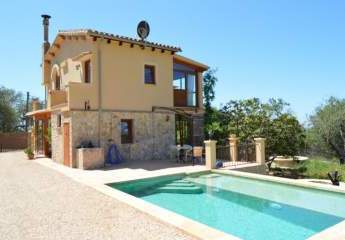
184	98
57	97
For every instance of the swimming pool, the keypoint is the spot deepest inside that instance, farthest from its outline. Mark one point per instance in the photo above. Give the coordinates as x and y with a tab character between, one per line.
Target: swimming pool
243	207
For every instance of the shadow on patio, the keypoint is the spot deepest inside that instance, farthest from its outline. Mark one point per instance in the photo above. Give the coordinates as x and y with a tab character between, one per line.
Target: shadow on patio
150	165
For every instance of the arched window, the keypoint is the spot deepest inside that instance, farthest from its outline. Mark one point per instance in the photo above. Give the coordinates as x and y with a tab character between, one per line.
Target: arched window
57	81
56	77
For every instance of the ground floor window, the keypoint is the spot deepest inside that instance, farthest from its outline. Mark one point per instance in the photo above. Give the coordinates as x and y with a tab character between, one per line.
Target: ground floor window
126	131
59	120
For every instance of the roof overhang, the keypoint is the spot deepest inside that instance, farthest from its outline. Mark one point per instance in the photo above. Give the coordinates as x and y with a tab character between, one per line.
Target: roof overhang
82	56
187	61
41	114
84	34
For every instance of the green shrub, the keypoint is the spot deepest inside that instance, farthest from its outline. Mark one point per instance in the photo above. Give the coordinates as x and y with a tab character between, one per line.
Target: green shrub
29	151
319	167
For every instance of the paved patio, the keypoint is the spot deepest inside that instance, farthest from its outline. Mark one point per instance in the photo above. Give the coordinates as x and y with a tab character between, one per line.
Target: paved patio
130	170
40	203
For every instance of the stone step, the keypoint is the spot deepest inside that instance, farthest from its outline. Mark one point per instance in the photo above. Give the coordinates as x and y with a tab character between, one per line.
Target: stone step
180	190
181	181
174	184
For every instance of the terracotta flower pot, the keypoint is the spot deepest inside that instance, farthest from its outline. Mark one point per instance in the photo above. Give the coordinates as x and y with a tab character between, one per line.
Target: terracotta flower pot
31	157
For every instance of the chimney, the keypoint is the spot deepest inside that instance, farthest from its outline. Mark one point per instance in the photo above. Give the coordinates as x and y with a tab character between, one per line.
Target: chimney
35	104
45	23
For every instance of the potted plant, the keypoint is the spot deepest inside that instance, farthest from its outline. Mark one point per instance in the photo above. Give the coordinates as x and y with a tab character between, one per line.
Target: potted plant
29	153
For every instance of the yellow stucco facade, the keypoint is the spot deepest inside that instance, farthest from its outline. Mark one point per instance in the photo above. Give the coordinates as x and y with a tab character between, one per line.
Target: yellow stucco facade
119	70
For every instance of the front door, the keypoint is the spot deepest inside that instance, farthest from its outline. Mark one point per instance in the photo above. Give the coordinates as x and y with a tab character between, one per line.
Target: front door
66	153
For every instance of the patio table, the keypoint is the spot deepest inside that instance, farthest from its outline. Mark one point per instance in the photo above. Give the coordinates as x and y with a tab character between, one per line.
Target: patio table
184	149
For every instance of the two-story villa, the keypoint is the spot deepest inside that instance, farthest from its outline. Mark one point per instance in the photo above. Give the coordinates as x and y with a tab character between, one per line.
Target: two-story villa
101	86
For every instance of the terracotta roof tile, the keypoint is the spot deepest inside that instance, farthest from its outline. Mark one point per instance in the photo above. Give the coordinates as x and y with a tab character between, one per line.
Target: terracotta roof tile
94	33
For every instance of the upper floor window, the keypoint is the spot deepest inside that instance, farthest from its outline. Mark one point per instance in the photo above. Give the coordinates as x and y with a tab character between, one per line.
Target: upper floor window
150	77
87	71
179	80
191	89
126	131
184	83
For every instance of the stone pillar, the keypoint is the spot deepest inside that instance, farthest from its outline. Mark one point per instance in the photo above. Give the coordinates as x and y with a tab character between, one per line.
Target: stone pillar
260	150
210	152
233	142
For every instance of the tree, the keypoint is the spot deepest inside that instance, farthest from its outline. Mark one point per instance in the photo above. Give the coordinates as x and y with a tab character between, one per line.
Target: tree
328	127
12	108
209	83
286	137
252	118
7	117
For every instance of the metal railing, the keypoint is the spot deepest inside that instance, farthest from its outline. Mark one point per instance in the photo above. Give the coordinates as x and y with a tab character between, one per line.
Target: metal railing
246	152
223	153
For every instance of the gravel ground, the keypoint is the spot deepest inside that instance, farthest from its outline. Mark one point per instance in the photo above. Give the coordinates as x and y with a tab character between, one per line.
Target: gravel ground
39	203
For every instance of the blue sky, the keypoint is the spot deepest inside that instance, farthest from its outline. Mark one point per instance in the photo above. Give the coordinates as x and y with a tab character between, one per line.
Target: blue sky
292	49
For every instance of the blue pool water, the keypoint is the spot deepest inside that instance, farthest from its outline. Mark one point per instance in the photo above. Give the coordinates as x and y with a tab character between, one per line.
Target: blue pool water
247	208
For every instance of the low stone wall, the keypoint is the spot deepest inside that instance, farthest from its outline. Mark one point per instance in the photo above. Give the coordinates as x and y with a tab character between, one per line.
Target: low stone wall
90	158
259	169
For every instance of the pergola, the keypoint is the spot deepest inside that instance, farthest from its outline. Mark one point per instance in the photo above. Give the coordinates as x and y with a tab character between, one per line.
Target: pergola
39	132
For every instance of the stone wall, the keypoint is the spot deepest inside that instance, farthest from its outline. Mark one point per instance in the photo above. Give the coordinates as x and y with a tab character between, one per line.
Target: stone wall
153	133
57	139
90	158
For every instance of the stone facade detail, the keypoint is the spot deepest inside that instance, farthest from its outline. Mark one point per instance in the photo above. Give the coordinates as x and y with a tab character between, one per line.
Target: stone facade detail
153	133
57	139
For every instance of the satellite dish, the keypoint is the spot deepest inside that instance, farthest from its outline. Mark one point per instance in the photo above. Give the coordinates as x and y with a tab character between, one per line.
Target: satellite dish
143	30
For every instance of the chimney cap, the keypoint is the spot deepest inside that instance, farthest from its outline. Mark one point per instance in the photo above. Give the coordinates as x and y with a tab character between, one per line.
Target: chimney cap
45	16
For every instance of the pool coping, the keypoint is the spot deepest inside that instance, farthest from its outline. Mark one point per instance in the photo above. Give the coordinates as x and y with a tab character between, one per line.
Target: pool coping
304	184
